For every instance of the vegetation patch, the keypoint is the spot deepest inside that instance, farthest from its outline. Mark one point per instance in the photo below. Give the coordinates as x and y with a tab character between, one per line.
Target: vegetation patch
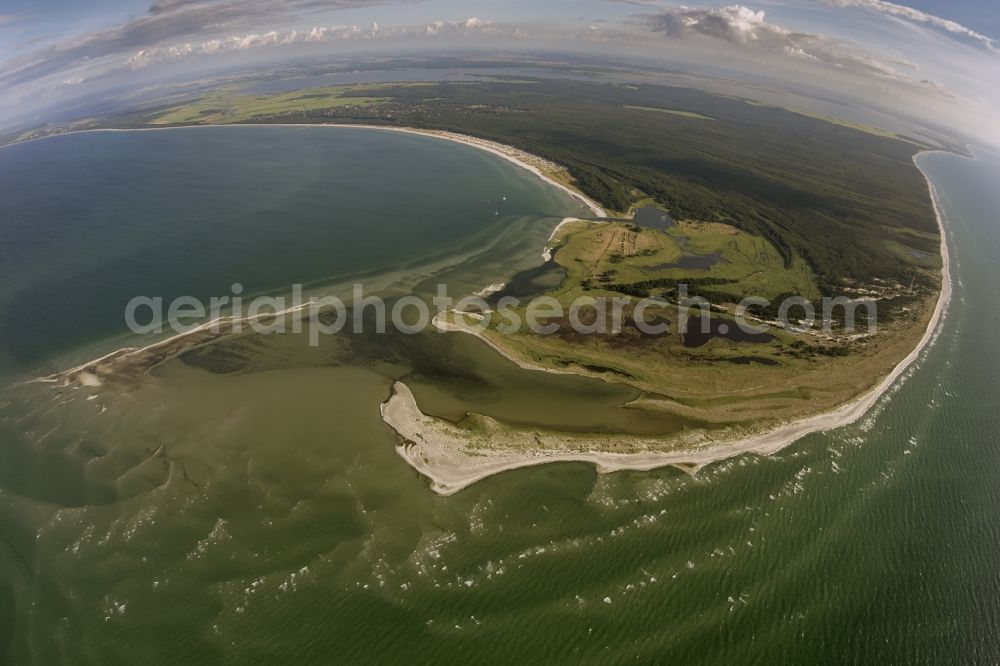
676	112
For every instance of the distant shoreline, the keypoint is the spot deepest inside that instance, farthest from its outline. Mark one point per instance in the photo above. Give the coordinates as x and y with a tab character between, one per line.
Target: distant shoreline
504	151
450	471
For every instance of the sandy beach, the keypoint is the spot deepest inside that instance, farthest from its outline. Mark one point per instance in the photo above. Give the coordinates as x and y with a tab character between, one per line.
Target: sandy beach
547	252
521	158
435	448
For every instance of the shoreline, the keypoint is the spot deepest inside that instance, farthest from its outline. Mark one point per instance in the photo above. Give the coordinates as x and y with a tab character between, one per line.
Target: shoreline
89	373
547	252
134	360
461	472
503	151
456	327
450	471
512	155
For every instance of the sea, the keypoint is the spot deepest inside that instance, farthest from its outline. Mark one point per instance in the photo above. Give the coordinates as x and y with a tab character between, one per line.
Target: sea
245	503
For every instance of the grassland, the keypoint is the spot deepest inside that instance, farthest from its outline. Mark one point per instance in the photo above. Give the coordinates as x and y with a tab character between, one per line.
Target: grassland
861	127
613	254
787	378
725	382
232	106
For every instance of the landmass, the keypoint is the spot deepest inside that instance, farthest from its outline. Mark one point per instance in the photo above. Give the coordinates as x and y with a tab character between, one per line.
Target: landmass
745	199
456	455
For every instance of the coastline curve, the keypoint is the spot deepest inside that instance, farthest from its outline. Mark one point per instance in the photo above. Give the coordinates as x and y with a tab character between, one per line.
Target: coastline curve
451	467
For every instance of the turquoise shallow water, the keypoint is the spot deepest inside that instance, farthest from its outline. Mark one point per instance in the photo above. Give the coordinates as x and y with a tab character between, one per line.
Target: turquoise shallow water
263	516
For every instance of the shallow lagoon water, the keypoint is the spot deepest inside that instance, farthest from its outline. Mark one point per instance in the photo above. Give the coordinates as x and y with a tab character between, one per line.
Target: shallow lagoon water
89	221
262	514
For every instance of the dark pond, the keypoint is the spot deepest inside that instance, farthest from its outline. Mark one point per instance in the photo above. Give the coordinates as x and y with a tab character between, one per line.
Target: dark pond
691	261
697	334
747	360
653	218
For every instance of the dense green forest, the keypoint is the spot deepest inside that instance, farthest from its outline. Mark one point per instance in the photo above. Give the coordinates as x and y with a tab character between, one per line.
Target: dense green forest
843	199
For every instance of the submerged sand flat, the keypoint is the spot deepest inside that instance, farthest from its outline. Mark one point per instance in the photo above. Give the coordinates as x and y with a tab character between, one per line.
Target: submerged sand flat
132	363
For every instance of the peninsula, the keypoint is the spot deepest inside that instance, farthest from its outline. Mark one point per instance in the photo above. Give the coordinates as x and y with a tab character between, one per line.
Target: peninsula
692	195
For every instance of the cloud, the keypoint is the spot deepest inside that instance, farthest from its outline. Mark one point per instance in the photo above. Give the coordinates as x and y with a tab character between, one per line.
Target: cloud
472	25
8	18
160	6
911	14
252	7
734	24
155	54
468	27
745	27
166	21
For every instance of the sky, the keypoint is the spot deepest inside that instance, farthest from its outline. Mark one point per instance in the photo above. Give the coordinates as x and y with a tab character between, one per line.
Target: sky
933	57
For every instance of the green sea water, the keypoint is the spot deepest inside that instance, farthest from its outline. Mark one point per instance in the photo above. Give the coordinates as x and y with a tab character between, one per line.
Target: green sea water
247	505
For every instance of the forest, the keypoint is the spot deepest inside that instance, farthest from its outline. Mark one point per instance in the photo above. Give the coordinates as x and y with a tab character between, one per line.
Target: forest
842	199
